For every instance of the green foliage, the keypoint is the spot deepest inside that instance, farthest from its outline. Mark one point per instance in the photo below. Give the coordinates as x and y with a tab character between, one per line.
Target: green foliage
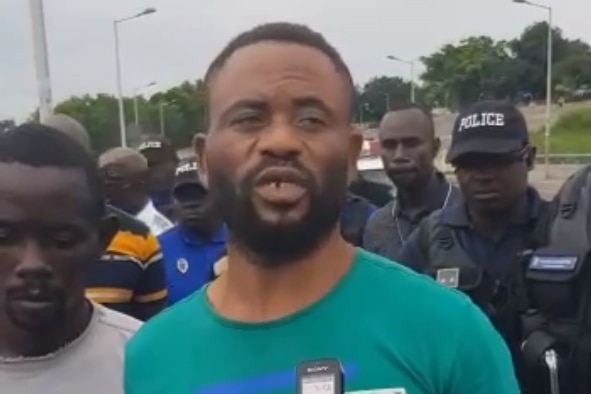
476	68
479	67
570	134
379	95
183	113
454	76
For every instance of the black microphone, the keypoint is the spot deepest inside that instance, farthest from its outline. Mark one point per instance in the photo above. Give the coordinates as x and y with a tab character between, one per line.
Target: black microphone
325	376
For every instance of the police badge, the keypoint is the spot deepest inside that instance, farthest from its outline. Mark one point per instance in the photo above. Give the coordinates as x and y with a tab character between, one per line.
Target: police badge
182	265
449	277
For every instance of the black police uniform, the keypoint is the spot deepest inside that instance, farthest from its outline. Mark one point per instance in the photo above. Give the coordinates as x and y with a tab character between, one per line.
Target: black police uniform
389	228
557	326
446	247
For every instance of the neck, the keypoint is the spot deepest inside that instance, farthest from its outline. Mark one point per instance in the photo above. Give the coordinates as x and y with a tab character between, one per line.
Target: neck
252	293
204	232
415	195
493	223
18	343
137	208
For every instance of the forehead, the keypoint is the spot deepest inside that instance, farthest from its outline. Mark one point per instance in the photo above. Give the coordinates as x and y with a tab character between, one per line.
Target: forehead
407	122
269	70
42	192
118	170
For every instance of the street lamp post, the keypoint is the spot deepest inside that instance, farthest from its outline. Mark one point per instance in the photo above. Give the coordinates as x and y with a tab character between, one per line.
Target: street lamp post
548	84
411	64
122	125
41	58
136	111
162	121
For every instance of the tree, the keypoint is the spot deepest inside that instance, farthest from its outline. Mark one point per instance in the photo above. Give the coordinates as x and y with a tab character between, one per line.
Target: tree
381	94
6	125
184	111
573	72
99	114
476	68
531	51
183	108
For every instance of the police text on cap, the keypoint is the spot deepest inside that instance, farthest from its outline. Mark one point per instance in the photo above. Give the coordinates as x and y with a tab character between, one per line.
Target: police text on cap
473	121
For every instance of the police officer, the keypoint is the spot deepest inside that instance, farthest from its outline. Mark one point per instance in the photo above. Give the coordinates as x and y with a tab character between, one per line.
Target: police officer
557	339
408	149
196	242
477	244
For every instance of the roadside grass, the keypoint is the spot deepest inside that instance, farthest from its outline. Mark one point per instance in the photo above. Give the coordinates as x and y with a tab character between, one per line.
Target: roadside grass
570	134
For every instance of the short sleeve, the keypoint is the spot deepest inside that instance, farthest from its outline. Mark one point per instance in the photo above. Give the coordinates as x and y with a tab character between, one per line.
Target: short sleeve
483	363
152	284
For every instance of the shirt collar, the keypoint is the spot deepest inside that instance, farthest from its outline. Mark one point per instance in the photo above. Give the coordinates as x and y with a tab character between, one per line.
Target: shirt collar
439	192
219	237
157	222
456	215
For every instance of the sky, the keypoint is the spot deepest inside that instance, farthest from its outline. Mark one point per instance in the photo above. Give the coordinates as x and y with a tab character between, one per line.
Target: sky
183	36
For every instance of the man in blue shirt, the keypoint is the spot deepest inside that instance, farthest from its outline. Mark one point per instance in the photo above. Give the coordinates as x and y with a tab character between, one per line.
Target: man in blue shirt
197	240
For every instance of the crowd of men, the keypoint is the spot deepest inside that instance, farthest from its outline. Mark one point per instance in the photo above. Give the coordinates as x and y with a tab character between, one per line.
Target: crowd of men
269	249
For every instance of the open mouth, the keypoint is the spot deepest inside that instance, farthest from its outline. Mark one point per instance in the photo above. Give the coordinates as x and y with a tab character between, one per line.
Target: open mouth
282	186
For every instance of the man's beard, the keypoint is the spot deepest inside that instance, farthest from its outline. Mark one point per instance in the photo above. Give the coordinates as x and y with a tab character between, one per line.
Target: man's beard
269	244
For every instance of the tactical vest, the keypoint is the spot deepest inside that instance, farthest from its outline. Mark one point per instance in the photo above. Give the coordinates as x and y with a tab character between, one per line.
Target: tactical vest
502	300
558	278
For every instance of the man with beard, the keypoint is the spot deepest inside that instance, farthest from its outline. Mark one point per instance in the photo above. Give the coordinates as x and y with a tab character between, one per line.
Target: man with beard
279	155
53	225
196	242
126	177
408	149
129	277
162	163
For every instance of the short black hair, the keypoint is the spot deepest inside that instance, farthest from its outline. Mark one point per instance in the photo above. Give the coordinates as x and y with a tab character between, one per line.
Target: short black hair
285	32
423	109
37	145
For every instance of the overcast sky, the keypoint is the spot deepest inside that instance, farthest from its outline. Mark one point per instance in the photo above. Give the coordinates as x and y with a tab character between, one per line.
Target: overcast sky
179	41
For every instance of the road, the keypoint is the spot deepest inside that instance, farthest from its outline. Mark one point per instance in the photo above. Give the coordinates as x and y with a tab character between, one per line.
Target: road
558	173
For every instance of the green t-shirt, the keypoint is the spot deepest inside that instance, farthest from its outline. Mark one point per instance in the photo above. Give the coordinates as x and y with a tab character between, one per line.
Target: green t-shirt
394	331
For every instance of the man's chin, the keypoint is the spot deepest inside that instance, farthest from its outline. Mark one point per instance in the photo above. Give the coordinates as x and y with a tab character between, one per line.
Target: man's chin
404	179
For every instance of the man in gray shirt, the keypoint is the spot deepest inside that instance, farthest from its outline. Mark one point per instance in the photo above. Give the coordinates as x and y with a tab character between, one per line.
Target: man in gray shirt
409	147
53	224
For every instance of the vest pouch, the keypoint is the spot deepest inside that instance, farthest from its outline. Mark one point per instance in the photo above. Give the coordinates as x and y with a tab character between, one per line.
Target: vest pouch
555	281
470	280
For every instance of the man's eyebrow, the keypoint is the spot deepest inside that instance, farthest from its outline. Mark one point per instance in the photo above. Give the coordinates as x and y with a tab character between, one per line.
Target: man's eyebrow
255	104
311	101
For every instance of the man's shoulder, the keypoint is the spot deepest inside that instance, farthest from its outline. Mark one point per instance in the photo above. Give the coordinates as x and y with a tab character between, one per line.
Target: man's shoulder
128	223
170	234
163	326
382	216
394	278
126	326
